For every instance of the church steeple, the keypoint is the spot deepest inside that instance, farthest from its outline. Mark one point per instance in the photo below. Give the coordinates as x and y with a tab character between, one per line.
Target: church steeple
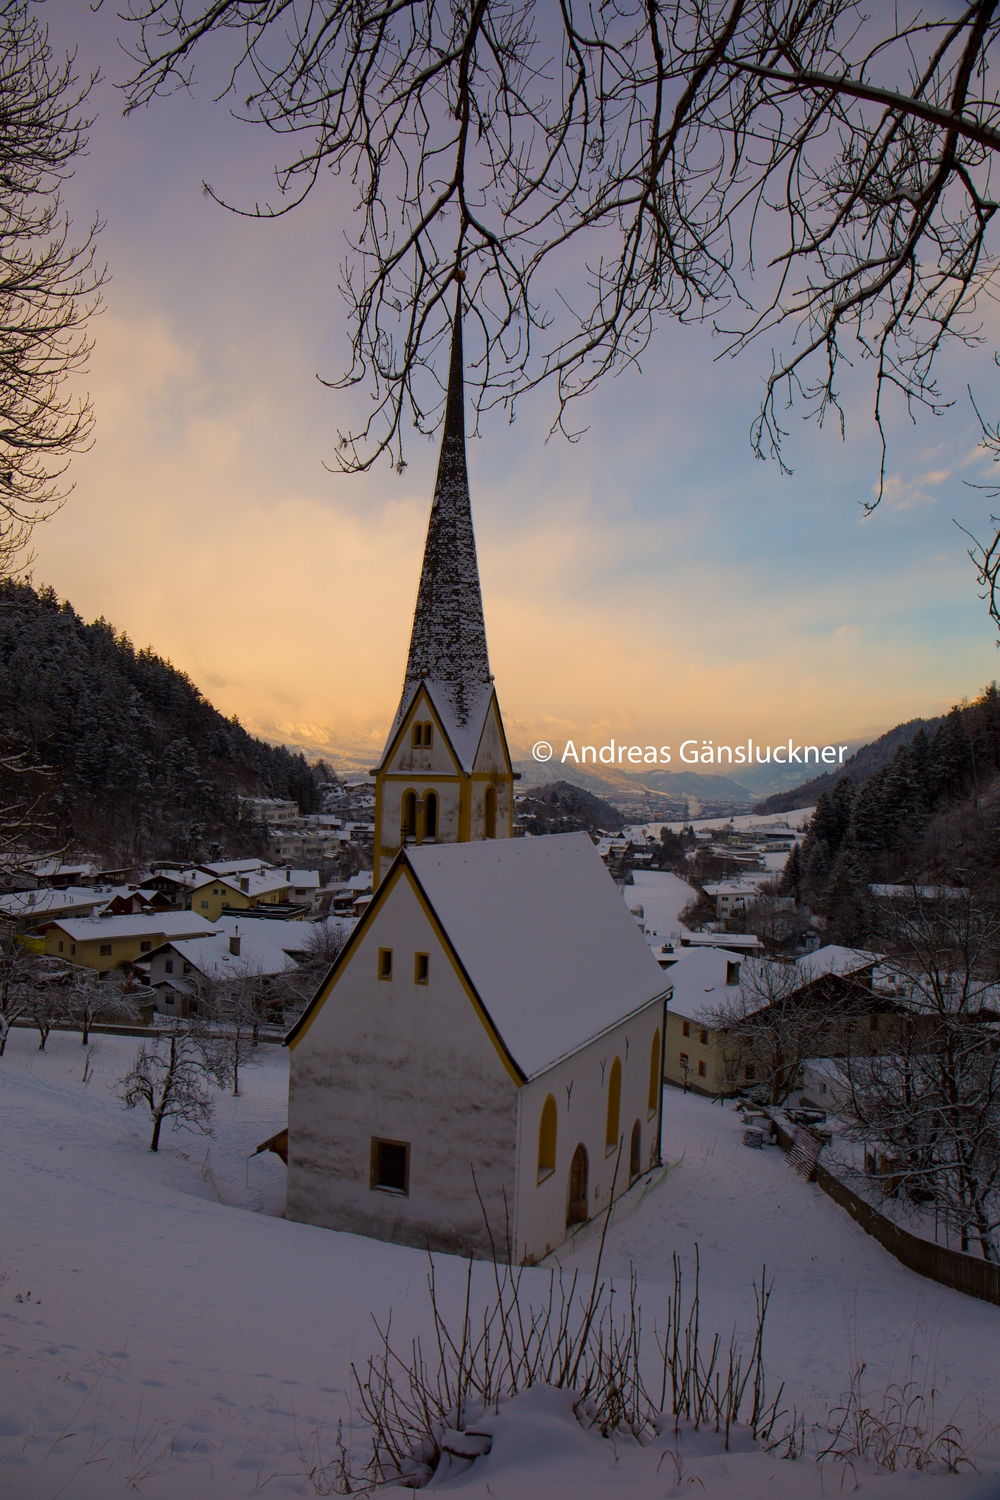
445	774
448	640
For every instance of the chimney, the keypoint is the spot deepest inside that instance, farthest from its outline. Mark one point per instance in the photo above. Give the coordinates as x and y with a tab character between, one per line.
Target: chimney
288	874
732	973
234	943
245	884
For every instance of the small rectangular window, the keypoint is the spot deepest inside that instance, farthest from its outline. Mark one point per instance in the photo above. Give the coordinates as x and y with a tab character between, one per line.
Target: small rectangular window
701	1070
684	1059
686	1029
204	906
703	1037
60	945
169	966
385	963
145	947
72	950
390	1166
420	968
105	950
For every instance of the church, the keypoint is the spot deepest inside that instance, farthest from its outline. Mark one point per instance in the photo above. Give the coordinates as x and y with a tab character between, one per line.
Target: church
482	1067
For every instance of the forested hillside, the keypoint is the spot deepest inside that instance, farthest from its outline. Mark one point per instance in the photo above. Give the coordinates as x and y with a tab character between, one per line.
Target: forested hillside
933	813
858	767
139	763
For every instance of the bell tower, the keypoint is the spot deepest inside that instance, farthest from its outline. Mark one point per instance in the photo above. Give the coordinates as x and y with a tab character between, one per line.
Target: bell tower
445	773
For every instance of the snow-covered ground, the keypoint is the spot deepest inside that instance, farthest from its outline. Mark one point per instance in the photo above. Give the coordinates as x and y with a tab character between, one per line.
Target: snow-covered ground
662	897
798	817
165	1333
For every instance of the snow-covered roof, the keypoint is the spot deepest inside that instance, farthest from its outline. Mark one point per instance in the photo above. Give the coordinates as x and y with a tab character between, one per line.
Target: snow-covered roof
834	959
542	933
248	885
699	981
210	955
730	888
32	903
170	923
236	866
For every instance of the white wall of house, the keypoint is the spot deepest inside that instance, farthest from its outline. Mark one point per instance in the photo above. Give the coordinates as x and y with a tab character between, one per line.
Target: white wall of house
402	1062
579	1085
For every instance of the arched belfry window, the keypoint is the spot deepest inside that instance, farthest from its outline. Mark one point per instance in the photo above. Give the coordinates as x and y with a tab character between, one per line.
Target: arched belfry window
614	1105
431	816
490	813
408	818
655	1082
422	735
547	1129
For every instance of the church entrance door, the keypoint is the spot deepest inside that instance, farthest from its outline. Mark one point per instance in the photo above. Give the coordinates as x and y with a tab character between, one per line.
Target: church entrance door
579	1173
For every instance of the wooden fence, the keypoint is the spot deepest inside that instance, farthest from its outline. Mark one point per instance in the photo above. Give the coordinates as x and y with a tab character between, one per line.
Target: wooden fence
966	1273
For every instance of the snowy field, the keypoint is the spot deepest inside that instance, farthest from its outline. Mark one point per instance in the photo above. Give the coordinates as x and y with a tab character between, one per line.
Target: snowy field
662	897
166	1333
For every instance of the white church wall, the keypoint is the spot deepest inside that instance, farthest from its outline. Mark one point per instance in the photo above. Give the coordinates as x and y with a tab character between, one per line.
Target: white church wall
579	1084
402	1062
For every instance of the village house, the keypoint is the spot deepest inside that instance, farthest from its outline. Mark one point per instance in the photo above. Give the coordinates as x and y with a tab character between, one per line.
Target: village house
238	949
25	912
701	1057
285	888
485	1057
105	942
731	896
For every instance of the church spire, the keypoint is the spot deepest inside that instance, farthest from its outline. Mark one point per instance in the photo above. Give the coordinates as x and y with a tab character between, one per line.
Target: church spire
448	640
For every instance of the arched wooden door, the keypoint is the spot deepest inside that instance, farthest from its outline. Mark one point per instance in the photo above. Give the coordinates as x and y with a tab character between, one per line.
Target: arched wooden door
579	1178
635	1153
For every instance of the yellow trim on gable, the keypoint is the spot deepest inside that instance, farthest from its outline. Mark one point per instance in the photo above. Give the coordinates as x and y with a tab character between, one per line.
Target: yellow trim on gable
376	904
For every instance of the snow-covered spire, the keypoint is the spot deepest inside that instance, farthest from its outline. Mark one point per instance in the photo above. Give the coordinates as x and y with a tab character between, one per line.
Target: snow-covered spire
448	641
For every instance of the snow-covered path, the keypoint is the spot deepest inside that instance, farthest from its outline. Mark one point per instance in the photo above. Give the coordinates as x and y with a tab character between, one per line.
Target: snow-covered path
163	1332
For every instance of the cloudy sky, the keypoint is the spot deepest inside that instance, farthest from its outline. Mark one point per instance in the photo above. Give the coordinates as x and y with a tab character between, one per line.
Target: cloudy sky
652	581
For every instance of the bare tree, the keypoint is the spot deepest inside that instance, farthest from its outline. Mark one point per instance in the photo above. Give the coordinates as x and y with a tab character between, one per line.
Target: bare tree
17	971
47	1006
48	285
325	941
928	1111
88	998
774	1018
234	1011
791	171
171	1077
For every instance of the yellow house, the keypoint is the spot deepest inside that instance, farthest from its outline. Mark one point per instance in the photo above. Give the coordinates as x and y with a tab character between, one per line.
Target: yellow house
101	943
241	892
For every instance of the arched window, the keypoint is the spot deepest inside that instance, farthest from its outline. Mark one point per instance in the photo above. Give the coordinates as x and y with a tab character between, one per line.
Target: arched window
417	737
577	1209
408	821
635	1153
655	1081
490	813
431	816
614	1105
428	731
547	1139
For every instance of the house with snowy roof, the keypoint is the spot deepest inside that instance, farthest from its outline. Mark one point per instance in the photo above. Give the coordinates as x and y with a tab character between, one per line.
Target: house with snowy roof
244	948
105	942
483	1063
